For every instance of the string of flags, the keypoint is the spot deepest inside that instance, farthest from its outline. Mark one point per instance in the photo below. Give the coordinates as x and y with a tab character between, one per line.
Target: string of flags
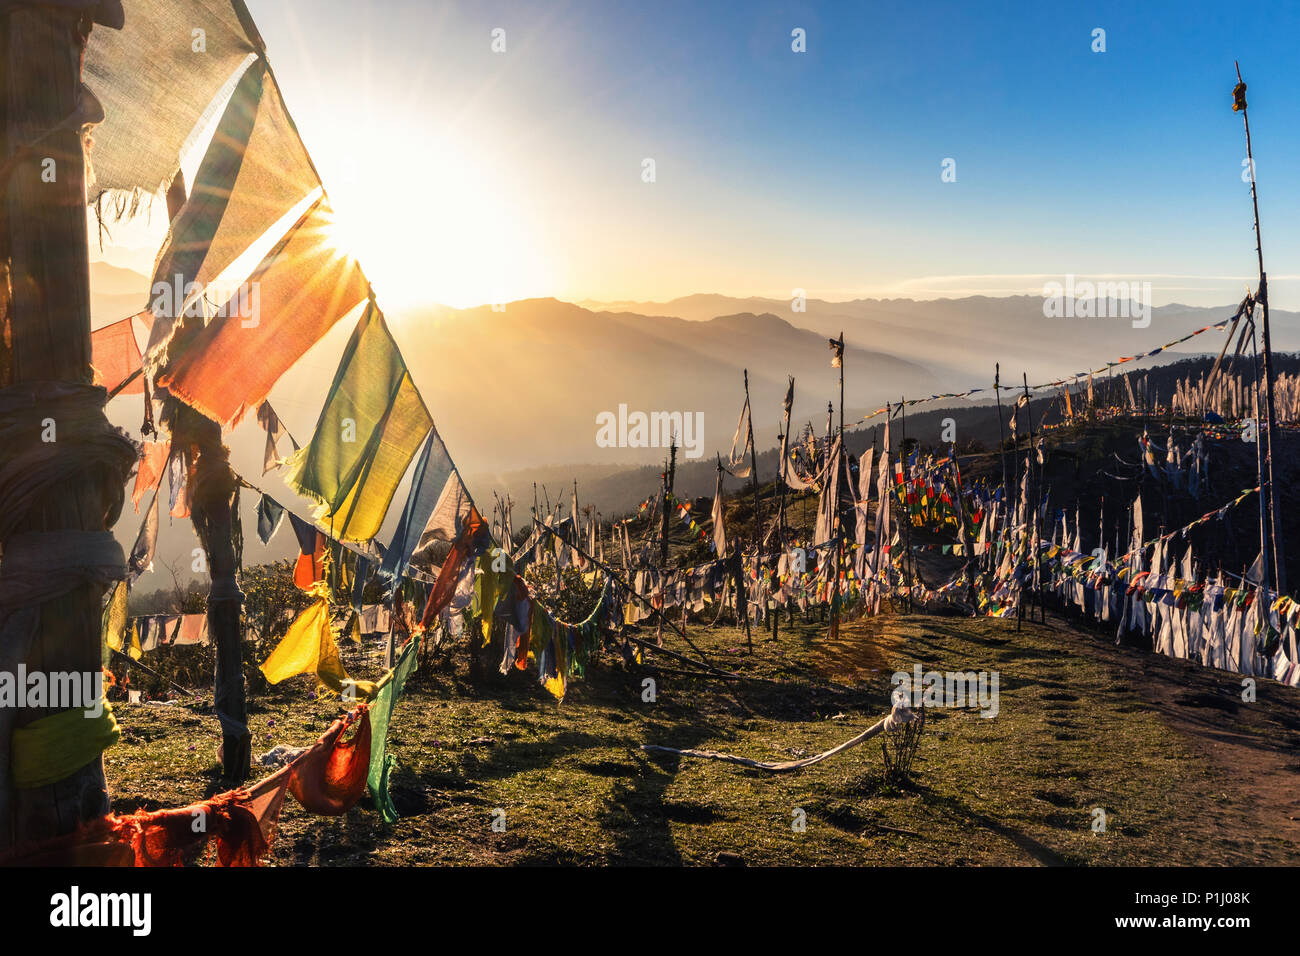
1077	377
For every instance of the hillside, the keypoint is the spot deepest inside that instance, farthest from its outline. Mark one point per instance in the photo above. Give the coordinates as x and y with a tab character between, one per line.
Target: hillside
965	336
496	369
1186	775
484	375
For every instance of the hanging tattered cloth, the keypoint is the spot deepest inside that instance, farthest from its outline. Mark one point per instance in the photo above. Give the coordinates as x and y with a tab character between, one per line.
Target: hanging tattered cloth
275	430
435	509
115	354
146	543
368	432
472	538
310	566
331	777
255	171
381	709
242	822
309	648
159	79
494	581
719	527
270	514
154	456
736	464
304	286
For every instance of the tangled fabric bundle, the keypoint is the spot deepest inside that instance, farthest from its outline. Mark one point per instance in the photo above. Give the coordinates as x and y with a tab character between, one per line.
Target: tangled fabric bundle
54	747
177	837
41	567
85	443
328	778
331	777
899	716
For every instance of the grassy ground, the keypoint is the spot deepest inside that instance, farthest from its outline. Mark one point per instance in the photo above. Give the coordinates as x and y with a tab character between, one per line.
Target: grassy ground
1081	725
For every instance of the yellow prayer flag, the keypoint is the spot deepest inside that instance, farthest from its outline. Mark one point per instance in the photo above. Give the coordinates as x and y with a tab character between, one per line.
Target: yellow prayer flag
115	617
309	648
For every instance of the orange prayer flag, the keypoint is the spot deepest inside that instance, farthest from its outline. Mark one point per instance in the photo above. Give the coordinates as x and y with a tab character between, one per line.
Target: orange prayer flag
304	286
115	354
153	463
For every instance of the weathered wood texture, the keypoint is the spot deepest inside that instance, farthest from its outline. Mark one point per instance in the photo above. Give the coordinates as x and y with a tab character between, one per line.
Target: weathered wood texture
213	515
49	332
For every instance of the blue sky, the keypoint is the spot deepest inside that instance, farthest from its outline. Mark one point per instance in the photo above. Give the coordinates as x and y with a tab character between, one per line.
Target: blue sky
472	174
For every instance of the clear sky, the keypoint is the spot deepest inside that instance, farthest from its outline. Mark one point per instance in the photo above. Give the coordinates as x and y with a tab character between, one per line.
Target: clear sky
465	175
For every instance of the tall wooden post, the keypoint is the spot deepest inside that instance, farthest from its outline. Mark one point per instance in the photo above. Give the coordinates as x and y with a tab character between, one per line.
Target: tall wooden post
213	514
46	306
1268	492
1036	482
840	465
753	472
670	478
1002	436
912	573
783	443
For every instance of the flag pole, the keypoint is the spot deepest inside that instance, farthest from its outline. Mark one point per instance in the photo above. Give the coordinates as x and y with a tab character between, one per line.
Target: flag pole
1002	435
1269	416
910	558
834	483
753	468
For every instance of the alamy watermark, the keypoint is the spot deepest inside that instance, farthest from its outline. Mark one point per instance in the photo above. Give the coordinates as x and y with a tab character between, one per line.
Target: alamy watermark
624	429
56	690
1098	300
178	297
923	688
76	909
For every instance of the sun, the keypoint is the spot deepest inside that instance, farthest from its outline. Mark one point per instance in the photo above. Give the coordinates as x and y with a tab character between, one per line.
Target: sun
446	229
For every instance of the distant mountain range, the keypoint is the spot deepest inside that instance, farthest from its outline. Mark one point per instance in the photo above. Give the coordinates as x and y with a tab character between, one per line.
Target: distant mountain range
516	393
527	384
960	339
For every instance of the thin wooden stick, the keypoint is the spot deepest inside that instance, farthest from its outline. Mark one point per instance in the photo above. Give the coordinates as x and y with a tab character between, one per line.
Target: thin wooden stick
619	581
149	670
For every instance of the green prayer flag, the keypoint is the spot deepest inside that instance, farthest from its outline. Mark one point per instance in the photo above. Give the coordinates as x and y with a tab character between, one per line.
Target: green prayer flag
369	430
381	713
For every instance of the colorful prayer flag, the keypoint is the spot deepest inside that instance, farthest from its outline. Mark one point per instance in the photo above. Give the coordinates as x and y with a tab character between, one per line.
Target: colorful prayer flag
303	287
368	432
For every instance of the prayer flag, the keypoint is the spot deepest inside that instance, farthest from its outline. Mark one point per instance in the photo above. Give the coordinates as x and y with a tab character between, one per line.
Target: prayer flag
115	354
254	172
437	508
309	648
303	287
368	432
381	713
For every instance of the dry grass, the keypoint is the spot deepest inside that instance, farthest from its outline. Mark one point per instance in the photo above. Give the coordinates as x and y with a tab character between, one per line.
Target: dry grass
1073	733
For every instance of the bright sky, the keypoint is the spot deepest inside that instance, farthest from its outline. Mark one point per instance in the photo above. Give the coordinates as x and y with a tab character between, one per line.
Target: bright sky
464	175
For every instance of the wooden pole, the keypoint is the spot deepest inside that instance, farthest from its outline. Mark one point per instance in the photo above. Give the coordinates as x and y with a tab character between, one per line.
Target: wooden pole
1007	492
840	463
1035	484
632	591
780	491
907	511
783	443
670	475
45	248
212	512
1269	411
753	470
